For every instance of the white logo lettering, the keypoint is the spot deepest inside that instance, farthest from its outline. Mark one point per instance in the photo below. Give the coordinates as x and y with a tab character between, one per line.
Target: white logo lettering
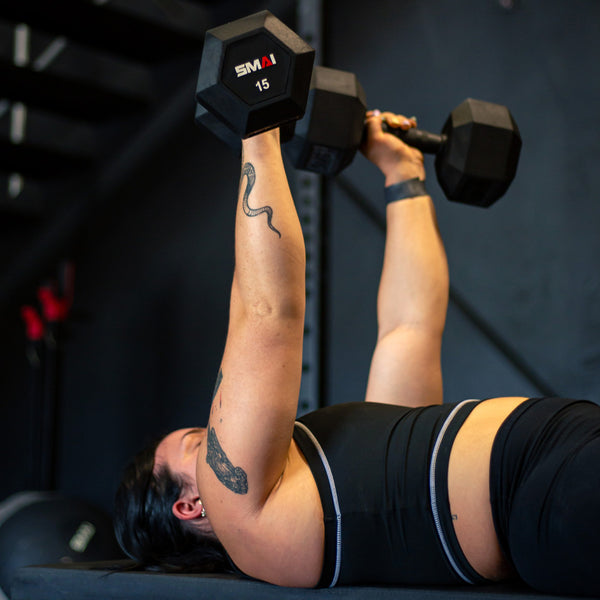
256	65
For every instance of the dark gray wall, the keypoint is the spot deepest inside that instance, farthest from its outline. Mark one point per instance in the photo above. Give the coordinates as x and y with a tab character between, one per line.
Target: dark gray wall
154	271
529	264
148	324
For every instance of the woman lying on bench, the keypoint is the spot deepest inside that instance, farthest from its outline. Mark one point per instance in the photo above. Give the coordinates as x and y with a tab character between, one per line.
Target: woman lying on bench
400	489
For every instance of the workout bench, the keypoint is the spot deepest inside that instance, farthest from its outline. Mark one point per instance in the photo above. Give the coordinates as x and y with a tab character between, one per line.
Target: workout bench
98	581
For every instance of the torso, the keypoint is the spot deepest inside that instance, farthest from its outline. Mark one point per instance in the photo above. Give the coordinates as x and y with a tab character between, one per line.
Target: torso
468	487
287	547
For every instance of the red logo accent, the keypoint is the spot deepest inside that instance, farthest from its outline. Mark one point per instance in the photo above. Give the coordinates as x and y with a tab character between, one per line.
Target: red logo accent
266	62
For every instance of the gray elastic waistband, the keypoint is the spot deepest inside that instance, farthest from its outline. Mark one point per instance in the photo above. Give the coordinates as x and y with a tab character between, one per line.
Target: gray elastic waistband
438	489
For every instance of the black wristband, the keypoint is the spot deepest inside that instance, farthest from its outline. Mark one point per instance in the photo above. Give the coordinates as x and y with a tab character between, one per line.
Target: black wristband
404	190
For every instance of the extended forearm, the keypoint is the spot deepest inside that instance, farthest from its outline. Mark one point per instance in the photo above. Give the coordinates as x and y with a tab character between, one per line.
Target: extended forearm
414	281
270	254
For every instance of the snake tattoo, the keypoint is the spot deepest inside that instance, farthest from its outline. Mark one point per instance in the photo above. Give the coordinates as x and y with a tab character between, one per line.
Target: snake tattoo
233	478
249	171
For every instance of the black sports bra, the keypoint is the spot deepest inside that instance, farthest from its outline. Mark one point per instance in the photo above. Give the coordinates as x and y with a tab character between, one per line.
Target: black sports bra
381	471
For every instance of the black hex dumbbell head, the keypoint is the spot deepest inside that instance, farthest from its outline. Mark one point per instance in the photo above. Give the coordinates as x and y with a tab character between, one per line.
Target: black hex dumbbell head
254	74
327	137
204	118
479	158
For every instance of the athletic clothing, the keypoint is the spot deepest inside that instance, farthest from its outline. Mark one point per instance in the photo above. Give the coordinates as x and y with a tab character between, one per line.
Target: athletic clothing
381	471
545	494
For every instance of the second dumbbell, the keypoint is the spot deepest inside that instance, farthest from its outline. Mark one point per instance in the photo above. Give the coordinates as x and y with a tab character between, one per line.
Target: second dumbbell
476	154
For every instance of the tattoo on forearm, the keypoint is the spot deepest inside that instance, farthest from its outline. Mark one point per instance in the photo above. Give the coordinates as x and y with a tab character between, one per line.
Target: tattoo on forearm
233	478
249	171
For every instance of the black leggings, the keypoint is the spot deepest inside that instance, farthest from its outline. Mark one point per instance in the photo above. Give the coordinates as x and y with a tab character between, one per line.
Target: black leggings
545	492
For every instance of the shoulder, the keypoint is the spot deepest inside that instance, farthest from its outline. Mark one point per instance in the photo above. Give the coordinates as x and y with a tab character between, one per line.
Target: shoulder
283	543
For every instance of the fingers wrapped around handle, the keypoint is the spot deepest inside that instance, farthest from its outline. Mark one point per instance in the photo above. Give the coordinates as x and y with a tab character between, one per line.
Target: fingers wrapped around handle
397	160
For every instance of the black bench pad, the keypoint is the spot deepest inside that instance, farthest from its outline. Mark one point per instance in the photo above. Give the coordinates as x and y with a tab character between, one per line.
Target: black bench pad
96	581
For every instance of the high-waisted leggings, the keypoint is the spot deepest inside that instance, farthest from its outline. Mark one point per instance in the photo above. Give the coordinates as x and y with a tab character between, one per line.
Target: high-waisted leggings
545	492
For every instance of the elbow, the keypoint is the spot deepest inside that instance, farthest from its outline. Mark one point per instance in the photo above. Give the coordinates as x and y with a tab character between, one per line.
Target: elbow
264	302
286	308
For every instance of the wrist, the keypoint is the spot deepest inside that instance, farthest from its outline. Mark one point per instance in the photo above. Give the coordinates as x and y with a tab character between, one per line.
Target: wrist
399	175
404	190
262	145
266	138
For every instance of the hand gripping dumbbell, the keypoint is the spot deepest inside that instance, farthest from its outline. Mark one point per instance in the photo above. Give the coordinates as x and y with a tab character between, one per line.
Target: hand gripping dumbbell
476	153
254	75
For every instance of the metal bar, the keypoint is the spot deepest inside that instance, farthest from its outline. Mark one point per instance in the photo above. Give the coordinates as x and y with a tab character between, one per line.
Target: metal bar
105	28
308	196
63	95
31	160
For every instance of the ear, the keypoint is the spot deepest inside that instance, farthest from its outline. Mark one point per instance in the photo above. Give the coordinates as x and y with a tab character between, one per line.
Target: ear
186	508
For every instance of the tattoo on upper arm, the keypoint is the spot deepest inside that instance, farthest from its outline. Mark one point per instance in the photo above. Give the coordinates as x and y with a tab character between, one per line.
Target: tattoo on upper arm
233	478
249	171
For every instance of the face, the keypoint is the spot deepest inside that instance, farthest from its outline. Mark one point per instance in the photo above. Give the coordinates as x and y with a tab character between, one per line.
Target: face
179	452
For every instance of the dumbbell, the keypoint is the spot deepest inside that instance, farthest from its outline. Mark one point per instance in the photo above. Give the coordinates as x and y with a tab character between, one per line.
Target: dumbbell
254	75
476	154
204	118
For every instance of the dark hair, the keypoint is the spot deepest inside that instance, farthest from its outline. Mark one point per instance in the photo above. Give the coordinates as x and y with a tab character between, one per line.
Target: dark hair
149	532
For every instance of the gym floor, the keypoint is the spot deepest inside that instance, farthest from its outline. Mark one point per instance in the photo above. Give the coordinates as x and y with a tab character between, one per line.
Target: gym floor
154	267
